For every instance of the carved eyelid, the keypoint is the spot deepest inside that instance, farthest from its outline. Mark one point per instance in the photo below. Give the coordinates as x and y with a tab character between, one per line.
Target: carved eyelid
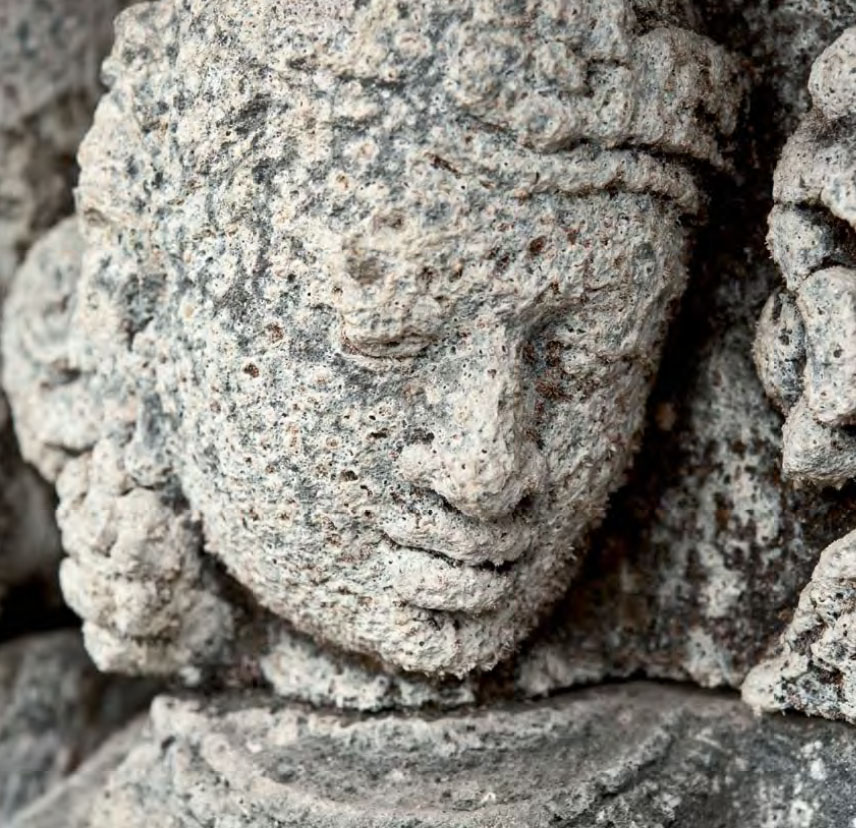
383	349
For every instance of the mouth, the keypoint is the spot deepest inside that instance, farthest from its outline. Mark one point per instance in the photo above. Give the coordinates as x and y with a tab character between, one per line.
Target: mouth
456	563
460	541
429	579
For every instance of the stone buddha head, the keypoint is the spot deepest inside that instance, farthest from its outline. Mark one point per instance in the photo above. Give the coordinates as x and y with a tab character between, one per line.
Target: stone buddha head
375	293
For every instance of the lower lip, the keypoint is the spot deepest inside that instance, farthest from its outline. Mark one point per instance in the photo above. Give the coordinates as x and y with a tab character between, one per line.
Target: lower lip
432	581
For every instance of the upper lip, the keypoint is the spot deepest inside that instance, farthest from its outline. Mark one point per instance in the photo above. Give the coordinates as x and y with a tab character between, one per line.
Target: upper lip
460	539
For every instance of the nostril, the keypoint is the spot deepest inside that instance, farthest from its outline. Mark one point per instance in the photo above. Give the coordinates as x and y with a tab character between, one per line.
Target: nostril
447	506
524	507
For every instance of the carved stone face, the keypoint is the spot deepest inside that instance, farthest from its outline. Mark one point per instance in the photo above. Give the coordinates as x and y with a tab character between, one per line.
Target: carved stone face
395	349
413	437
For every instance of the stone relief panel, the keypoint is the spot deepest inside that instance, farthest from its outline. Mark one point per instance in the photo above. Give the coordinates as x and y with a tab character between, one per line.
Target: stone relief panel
342	370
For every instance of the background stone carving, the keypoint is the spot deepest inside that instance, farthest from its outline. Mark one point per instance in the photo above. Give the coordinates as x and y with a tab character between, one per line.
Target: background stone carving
806	353
50	54
55	709
697	568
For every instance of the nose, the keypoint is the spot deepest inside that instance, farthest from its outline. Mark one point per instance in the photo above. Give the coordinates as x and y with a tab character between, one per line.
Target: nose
481	460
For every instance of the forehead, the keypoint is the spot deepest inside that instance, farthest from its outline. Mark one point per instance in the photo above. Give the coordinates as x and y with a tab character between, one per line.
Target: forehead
381	199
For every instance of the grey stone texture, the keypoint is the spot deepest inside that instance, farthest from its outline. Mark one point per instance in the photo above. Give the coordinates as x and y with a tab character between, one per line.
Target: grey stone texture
702	558
68	802
50	53
811	237
55	709
638	755
343	357
369	311
701	561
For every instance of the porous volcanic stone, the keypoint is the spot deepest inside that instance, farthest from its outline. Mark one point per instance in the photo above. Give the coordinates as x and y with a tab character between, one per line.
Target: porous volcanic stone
704	553
812	239
50	54
370	305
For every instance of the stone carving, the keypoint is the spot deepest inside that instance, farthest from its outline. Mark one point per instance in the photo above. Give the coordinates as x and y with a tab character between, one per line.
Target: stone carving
50	52
354	324
641	755
805	355
55	708
342	357
704	552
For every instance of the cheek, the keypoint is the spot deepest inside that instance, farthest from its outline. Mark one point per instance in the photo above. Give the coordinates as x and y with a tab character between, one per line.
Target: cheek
350	431
587	428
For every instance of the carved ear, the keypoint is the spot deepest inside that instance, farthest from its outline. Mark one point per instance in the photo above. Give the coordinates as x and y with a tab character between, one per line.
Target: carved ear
121	184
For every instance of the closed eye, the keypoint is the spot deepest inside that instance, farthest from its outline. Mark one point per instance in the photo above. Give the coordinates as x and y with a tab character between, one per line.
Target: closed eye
398	349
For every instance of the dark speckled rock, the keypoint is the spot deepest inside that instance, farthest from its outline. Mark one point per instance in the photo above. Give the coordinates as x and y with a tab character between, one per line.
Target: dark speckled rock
55	709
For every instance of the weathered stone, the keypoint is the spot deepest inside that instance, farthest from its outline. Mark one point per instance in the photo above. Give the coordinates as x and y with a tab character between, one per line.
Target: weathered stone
701	561
781	39
811	668
68	803
50	53
371	309
640	755
55	709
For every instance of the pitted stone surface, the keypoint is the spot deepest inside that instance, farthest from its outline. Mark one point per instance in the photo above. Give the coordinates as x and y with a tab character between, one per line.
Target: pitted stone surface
382	322
704	553
55	709
810	668
640	755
